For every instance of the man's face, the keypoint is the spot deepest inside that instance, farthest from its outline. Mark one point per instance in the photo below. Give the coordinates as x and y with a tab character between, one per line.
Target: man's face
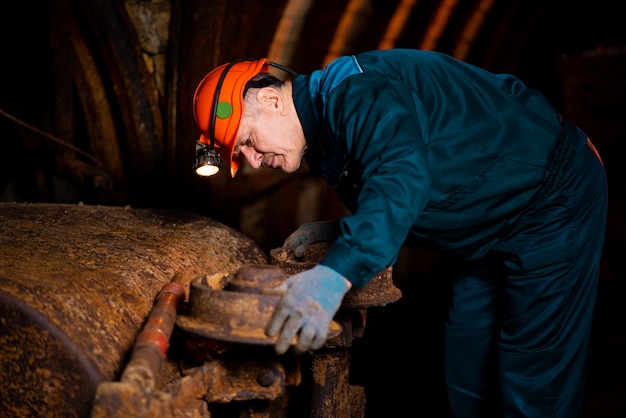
270	136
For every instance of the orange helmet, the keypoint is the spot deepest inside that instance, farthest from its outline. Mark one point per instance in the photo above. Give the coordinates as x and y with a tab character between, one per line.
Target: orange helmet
219	118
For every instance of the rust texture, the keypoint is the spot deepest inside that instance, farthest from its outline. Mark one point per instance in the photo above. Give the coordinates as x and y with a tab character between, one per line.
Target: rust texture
231	307
153	341
77	283
242	382
379	291
331	387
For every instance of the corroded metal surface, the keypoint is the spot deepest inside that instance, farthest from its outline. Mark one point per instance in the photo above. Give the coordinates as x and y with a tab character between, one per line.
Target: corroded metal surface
379	291
152	343
214	382
76	285
330	374
236	313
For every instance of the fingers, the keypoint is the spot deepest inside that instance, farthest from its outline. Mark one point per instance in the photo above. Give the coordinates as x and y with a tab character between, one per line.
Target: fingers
305	338
309	336
299	250
318	340
294	240
289	324
290	329
276	322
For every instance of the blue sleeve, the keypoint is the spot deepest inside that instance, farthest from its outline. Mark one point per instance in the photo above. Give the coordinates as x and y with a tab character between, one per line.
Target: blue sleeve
445	151
385	132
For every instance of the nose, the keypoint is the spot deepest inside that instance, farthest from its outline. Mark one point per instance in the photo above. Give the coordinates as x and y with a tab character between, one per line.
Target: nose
253	157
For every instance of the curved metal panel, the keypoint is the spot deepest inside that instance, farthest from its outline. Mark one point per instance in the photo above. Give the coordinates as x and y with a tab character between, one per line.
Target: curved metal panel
76	284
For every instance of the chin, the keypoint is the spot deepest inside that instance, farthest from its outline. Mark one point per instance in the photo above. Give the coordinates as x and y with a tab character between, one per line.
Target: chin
290	168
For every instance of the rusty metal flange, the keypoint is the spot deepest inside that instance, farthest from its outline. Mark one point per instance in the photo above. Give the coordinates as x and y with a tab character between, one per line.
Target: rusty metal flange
230	307
379	291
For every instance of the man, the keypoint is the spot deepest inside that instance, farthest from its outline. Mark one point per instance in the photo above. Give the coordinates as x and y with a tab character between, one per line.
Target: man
426	150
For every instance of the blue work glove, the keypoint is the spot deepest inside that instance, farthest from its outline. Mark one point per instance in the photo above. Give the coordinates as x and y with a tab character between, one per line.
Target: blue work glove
309	302
311	232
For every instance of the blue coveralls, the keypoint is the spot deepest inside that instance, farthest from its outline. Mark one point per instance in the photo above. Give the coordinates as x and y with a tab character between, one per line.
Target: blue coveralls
427	149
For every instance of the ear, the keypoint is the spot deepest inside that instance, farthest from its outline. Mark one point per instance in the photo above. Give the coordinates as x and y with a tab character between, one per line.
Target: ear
271	99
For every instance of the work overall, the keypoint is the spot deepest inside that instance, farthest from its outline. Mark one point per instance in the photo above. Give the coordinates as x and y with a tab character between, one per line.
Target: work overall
525	354
426	150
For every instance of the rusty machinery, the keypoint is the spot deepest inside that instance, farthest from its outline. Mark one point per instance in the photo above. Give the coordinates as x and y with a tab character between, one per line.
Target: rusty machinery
77	283
229	368
116	311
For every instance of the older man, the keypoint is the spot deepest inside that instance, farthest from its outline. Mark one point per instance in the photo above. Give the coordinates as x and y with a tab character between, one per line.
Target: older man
426	150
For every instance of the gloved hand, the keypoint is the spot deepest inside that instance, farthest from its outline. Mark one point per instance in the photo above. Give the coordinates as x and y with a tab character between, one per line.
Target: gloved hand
309	302
311	232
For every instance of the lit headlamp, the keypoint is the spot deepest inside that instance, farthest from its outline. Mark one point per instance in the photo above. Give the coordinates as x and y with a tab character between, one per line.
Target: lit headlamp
208	162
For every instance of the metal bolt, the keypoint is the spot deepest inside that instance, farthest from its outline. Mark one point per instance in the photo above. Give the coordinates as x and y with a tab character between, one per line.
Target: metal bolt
266	377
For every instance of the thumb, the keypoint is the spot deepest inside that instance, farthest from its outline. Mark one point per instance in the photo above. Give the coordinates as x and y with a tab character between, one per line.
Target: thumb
299	250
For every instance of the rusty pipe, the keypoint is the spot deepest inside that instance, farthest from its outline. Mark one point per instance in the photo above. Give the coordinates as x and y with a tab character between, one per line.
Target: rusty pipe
152	342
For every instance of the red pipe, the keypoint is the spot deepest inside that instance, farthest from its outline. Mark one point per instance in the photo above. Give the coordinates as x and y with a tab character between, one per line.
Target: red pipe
152	342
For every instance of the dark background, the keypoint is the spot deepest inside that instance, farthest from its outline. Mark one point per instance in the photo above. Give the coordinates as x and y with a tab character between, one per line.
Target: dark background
96	108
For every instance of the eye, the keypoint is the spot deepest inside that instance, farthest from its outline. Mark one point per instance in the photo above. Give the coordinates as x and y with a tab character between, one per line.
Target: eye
246	143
